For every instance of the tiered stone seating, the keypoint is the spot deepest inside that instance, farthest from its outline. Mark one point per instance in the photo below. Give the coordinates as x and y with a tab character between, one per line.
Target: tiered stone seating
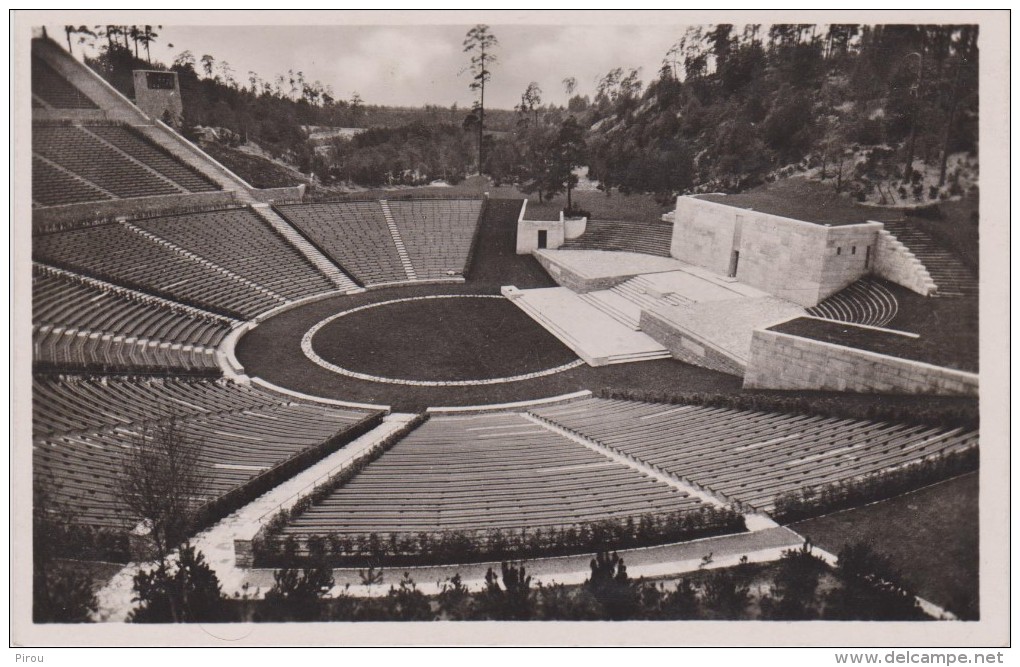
52	187
488	471
115	253
235	445
55	90
142	149
77	324
84	155
752	457
352	234
242	242
70	404
866	301
650	238
437	233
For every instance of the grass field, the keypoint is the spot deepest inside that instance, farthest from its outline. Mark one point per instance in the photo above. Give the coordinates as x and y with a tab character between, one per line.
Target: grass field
930	348
441	339
931	535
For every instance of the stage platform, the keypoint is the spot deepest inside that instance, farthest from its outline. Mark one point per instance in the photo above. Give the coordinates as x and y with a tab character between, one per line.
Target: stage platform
593	335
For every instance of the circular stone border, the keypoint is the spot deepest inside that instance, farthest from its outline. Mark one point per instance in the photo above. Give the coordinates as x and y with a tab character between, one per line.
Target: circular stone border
306	347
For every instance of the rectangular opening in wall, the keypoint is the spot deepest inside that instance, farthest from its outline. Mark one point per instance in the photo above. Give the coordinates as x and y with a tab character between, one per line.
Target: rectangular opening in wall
839	250
853	250
543	238
867	257
734	260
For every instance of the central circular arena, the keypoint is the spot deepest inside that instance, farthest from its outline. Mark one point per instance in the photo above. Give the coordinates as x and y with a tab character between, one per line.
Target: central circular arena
442	340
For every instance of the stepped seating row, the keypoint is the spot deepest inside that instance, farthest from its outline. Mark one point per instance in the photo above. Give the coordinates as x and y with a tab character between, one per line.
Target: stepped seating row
96	153
63	405
155	157
60	301
82	469
55	90
488	471
52	187
951	275
437	233
115	253
86	156
94	351
650	238
242	242
355	235
866	301
752	457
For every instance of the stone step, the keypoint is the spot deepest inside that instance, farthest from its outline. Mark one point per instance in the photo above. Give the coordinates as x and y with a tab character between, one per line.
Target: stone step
398	242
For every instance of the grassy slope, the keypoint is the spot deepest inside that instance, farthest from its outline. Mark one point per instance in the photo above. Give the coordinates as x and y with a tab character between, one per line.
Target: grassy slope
258	172
931	535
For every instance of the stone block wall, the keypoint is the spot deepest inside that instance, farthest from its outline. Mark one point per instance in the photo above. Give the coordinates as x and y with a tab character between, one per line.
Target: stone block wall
565	277
686	347
795	260
782	361
895	263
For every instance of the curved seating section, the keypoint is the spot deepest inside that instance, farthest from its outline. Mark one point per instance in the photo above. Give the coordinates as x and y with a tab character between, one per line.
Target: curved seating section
85	156
866	301
650	238
244	243
55	90
487	471
437	233
59	301
84	350
116	253
355	235
88	427
114	160
142	149
751	457
53	187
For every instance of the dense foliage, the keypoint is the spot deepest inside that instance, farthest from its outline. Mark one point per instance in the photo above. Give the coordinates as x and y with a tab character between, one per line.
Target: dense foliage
866	108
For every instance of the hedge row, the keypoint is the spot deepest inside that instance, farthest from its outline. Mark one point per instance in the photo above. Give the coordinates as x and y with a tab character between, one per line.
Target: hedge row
816	501
240	496
269	533
393	549
949	412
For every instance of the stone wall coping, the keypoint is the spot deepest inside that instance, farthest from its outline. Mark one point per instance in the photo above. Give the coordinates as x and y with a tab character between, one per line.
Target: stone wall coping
813	225
496	407
964	376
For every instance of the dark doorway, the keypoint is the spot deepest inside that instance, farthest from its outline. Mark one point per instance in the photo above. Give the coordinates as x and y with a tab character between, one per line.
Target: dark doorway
542	238
734	260
867	257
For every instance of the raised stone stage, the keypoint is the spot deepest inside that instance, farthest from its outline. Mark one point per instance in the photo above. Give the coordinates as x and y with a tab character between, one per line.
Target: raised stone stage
592	334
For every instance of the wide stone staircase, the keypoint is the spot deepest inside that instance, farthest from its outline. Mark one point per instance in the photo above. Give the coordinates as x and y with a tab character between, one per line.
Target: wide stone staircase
951	276
624	302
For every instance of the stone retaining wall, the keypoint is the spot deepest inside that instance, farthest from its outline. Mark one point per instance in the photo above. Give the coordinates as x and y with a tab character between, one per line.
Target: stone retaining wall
895	263
57	217
687	347
782	361
566	277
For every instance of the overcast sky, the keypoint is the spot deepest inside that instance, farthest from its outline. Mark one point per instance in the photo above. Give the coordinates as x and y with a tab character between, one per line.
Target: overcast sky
416	65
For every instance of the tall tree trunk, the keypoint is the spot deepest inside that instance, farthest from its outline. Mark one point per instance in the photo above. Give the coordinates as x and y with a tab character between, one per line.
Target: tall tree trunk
949	126
68	33
569	205
909	167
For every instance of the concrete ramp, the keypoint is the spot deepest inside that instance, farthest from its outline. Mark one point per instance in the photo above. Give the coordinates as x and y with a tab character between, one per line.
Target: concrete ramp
592	334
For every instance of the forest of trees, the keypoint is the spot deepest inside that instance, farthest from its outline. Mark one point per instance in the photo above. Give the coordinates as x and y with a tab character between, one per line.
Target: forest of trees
730	107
